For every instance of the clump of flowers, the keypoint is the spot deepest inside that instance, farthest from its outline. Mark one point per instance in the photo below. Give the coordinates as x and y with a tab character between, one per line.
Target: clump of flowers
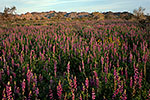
59	90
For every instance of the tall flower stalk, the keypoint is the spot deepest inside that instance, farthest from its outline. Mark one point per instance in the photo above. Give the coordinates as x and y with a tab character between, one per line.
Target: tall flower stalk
9	91
59	90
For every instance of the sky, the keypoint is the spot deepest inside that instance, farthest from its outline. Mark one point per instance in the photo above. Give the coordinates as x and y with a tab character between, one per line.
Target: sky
24	6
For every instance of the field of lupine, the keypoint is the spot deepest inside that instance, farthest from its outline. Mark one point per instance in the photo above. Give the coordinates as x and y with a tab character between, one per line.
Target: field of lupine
75	61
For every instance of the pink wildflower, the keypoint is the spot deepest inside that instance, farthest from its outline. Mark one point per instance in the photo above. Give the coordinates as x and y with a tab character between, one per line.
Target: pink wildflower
87	83
50	94
93	94
75	83
23	86
59	90
8	91
131	82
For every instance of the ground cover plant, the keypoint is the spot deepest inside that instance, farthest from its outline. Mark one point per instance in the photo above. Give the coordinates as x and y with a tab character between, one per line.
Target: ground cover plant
86	60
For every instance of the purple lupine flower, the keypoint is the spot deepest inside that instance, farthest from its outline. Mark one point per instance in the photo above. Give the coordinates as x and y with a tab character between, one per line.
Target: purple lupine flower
59	90
44	51
87	49
68	67
117	63
97	79
107	58
102	60
26	47
37	91
131	57
18	90
94	47
49	59
35	79
115	51
33	88
91	56
115	72
124	96
29	76
134	47
42	56
80	97
95	73
95	64
117	82
4	53
115	93
99	49
87	83
106	69
131	82
67	46
50	94
120	87
12	62
73	96
97	82
81	53
29	95
4	95
23	86
145	57
82	64
122	71
139	57
59	58
93	94
92	82
135	74
54	49
23	47
71	84
75	83
105	79
8	91
40	77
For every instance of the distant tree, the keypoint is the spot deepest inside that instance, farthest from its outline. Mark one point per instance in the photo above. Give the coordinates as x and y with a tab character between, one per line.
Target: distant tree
139	13
12	10
8	12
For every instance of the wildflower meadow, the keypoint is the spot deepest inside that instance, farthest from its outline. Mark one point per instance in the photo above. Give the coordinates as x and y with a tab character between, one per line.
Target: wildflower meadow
86	60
